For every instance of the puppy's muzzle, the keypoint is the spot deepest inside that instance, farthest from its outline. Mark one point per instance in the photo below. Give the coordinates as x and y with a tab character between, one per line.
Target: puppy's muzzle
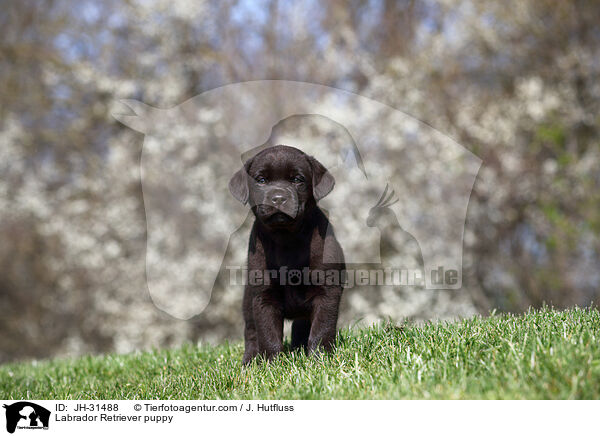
277	199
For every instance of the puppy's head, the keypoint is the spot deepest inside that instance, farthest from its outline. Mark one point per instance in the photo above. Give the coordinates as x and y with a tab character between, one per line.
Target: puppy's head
281	184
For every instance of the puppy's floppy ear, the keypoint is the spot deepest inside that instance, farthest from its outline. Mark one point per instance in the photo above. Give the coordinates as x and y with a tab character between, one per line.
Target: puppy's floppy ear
322	180
238	185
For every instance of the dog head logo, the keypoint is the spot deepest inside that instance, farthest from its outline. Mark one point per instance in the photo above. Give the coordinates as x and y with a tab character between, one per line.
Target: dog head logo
26	415
191	152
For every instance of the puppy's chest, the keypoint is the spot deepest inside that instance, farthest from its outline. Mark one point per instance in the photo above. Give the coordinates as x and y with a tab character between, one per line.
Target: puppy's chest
297	301
293	257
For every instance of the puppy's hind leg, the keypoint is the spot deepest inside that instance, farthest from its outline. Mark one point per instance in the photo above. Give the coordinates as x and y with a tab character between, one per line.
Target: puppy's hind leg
300	333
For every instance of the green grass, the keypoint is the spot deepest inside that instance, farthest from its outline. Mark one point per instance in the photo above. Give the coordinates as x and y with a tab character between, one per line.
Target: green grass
540	354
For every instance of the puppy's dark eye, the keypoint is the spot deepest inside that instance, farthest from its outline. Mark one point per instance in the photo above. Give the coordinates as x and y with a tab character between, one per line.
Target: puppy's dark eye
298	179
261	180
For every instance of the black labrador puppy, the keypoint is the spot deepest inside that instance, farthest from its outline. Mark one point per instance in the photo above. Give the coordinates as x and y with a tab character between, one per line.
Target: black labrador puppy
295	264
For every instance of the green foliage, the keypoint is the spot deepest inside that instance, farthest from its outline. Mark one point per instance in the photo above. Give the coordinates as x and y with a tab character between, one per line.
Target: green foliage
542	354
551	133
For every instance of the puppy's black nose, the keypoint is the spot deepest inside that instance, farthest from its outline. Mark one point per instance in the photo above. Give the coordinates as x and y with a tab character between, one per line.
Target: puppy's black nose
278	198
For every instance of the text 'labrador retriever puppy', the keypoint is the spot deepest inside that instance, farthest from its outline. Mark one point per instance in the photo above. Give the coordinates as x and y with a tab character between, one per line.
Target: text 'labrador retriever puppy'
295	264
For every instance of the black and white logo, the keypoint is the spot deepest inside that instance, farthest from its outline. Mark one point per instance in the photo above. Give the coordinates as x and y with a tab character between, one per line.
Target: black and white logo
26	415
